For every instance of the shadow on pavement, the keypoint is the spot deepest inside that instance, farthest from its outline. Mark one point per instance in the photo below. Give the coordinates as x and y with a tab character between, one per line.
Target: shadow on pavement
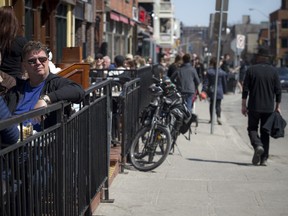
215	161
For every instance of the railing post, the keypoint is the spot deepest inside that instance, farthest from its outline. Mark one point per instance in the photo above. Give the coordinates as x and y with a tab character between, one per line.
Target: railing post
109	135
123	100
62	156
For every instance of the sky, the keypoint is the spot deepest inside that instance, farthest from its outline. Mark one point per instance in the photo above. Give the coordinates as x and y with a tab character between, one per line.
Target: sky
197	12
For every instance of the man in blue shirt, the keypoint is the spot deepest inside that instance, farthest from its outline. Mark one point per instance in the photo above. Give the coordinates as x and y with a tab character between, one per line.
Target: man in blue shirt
42	87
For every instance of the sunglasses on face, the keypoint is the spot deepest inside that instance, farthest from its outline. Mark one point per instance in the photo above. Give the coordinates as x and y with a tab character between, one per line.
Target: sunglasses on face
33	61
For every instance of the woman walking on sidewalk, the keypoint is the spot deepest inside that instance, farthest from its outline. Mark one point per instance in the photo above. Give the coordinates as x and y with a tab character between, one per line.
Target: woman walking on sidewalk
209	87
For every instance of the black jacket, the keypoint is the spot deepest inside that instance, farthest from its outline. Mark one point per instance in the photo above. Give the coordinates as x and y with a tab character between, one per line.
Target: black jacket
56	87
11	59
275	125
262	85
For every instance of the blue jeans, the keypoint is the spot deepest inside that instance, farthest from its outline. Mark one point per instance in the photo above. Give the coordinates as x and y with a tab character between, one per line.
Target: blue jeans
188	98
217	108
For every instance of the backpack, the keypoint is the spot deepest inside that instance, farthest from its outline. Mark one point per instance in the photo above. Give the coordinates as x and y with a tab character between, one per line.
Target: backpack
187	123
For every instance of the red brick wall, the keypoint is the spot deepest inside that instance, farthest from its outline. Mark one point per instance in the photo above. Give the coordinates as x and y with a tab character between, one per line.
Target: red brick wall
122	7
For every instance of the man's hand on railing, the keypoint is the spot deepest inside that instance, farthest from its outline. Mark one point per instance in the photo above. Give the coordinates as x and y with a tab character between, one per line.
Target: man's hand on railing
40	103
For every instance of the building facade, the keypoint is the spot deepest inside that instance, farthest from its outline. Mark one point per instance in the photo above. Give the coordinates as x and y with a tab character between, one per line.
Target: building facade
116	26
279	34
111	27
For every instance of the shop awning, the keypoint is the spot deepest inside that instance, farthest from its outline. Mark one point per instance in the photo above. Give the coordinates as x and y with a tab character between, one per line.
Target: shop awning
124	19
114	16
132	23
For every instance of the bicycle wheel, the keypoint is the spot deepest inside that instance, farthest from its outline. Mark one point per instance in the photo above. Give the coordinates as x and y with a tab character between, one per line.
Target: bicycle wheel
147	153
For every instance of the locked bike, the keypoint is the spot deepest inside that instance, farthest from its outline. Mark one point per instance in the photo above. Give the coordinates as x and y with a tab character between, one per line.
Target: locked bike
161	123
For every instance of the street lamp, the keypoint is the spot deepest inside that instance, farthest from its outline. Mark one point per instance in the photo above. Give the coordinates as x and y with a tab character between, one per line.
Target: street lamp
263	14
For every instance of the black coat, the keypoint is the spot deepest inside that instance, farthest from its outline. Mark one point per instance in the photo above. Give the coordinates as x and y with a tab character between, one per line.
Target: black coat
275	125
11	59
262	85
56	87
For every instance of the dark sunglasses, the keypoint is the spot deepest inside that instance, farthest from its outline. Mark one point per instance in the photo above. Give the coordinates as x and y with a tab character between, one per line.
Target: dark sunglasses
33	61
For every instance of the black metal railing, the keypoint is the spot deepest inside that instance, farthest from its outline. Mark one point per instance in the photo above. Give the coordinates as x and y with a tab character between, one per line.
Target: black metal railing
29	168
60	169
129	114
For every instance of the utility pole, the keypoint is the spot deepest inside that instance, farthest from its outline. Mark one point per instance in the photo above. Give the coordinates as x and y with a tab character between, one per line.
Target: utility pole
221	7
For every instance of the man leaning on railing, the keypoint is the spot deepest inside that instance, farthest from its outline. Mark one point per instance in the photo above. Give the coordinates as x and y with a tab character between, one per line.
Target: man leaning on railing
42	87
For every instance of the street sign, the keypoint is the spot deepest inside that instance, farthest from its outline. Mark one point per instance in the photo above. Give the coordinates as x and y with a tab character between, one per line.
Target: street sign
240	44
219	3
217	23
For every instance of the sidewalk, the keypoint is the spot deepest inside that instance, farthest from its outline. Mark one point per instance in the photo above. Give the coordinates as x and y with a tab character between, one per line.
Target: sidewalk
211	175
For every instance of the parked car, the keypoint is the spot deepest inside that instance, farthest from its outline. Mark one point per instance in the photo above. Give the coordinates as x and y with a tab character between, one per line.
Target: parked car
283	76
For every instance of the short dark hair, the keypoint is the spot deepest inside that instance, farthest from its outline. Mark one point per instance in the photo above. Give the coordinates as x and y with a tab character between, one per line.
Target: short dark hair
119	60
99	56
213	62
178	58
186	58
34	46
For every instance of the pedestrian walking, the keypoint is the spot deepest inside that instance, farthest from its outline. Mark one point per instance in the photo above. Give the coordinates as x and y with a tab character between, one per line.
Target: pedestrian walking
174	66
242	72
160	70
187	80
226	66
199	66
262	88
209	88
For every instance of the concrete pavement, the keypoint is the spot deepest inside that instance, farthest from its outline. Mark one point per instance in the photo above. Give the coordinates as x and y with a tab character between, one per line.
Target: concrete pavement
211	175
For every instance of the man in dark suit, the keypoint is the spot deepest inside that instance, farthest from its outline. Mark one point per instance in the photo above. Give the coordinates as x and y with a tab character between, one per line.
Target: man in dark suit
262	86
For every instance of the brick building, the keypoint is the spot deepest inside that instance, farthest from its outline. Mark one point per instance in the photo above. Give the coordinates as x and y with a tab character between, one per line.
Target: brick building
279	33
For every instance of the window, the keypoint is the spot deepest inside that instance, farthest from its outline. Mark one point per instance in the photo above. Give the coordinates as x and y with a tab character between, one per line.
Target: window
29	17
165	25
284	23
284	42
61	23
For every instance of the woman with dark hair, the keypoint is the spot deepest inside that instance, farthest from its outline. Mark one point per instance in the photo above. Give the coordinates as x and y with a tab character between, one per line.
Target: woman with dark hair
175	65
209	88
11	42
